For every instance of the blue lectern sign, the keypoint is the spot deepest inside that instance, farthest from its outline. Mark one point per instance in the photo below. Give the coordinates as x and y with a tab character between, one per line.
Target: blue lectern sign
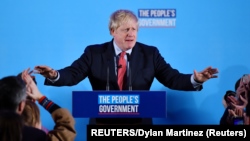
91	104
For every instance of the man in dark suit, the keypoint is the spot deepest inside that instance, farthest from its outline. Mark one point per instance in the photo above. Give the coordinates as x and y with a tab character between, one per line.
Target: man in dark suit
12	98
101	62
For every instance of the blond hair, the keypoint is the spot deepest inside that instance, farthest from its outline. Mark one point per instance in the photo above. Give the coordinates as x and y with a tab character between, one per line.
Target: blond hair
31	114
119	17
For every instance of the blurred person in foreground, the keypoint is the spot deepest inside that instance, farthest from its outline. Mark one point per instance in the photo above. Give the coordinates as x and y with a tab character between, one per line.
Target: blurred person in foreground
64	129
31	112
31	115
237	103
12	99
11	126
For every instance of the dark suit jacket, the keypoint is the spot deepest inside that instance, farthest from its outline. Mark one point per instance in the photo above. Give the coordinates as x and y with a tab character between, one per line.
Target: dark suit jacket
146	63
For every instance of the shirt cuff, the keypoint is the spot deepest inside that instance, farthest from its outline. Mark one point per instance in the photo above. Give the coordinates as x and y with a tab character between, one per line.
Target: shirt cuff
54	80
195	84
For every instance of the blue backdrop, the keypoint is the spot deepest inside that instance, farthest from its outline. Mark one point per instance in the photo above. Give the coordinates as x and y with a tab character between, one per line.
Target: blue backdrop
205	33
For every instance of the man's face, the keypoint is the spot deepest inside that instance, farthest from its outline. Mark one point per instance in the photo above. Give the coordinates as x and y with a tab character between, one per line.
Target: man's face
125	36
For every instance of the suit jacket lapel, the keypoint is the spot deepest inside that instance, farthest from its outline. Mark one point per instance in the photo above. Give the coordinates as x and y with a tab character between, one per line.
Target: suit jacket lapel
109	59
136	61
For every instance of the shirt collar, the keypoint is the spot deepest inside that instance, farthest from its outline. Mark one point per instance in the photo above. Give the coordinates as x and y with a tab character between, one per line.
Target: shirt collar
118	50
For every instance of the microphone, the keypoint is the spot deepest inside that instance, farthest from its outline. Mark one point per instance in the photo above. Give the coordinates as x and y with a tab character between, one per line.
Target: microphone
129	73
119	66
107	85
108	62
